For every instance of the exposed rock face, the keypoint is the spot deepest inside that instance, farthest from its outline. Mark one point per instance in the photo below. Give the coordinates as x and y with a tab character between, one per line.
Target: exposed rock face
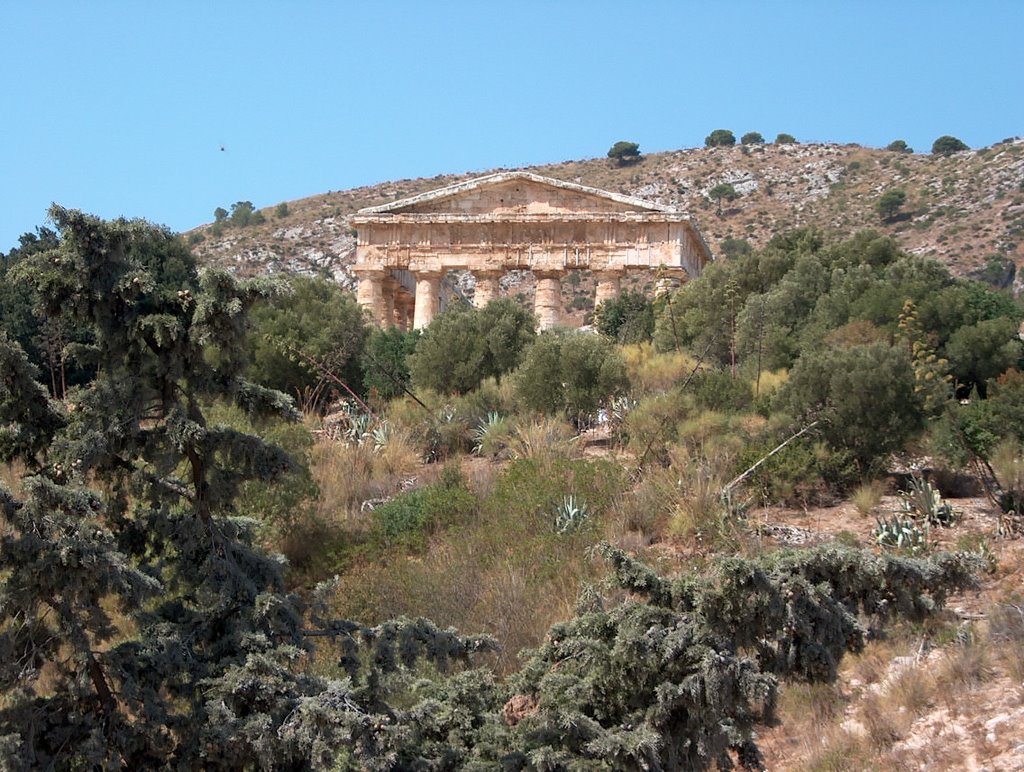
960	209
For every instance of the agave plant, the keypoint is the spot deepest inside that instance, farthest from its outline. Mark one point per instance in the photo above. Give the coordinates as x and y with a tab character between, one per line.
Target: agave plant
923	500
380	434
491	435
901	534
358	428
570	515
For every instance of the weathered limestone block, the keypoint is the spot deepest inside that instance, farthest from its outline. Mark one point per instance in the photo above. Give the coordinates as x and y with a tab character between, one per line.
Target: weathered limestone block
608	285
548	298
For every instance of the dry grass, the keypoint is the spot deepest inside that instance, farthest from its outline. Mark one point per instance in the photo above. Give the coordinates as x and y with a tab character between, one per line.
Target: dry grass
840	751
810	707
10	476
868	496
544	438
1006	633
652	373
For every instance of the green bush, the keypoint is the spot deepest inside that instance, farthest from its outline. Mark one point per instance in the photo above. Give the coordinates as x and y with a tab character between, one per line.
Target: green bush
463	346
899	146
624	152
719	390
303	341
409	519
569	372
947	145
863	398
804	473
385	362
720	138
628	318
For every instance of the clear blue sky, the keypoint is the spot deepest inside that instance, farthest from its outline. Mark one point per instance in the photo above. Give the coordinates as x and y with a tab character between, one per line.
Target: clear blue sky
120	108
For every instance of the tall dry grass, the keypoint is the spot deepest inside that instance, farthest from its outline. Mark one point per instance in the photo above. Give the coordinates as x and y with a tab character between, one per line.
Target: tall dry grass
652	373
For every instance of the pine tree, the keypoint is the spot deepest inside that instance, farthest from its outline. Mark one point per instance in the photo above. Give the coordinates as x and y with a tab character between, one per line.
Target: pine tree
140	627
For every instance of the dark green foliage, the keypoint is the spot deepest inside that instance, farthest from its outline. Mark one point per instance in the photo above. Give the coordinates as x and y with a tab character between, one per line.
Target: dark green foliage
982	351
242	213
46	338
411	517
624	152
734	248
720	138
890	203
28	417
947	145
863	397
680	681
570	373
719	390
385	362
281	210
723	191
804	473
165	342
220	214
752	138
785	139
899	146
463	346
628	318
304	342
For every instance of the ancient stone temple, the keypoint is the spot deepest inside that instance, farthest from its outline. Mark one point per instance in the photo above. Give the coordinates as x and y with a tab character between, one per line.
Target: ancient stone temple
513	220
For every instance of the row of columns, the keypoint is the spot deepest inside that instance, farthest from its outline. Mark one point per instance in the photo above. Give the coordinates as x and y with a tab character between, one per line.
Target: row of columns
389	303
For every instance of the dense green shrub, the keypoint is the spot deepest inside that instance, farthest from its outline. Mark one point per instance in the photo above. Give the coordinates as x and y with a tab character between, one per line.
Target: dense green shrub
628	318
863	398
463	346
304	342
410	518
947	145
624	152
571	373
720	138
385	362
804	473
720	390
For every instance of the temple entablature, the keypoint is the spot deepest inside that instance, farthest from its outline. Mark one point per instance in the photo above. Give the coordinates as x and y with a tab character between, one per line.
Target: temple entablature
514	221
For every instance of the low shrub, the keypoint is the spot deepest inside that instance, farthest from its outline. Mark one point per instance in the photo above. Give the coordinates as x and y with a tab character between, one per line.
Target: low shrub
409	519
804	473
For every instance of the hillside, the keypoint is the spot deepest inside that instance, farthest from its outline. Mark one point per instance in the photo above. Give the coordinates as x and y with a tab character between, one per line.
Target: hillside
960	209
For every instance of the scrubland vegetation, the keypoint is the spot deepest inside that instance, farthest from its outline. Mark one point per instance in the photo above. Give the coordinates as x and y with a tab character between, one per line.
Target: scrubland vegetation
501	549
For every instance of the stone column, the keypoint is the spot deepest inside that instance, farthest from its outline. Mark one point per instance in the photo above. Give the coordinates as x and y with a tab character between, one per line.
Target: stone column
428	298
370	293
607	285
403	309
548	300
487	287
390	290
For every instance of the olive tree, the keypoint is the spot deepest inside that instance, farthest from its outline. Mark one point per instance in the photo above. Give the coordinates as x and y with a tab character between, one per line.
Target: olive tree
569	372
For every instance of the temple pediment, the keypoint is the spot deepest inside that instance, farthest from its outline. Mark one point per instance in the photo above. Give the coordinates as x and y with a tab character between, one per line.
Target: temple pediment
513	221
516	193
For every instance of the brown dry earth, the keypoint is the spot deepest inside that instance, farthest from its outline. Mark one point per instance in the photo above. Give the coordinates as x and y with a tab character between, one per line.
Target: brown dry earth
980	727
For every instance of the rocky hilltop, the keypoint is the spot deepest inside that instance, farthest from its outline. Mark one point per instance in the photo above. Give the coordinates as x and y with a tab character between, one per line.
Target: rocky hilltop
963	209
